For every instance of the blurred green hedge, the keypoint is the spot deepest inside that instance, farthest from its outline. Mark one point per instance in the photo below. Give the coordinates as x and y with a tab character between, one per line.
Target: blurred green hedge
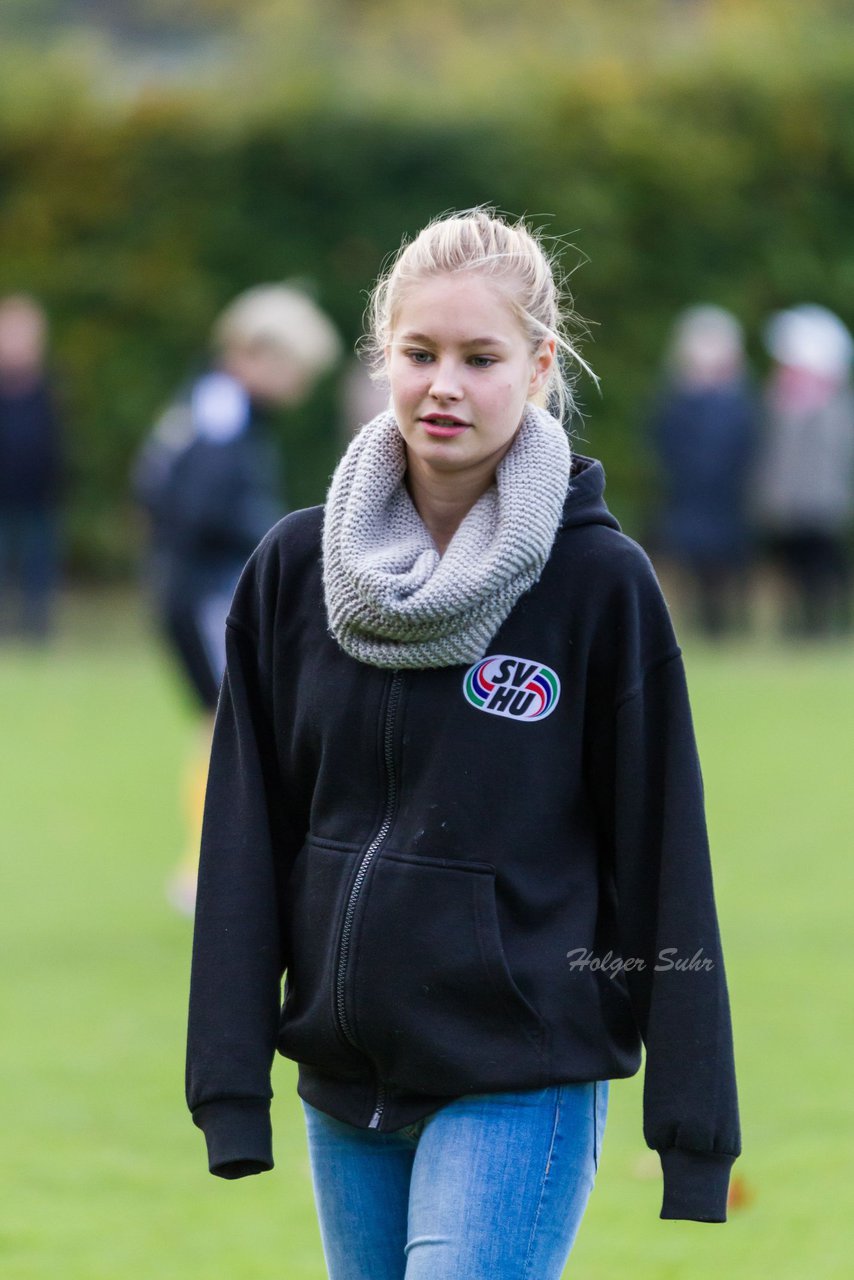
684	185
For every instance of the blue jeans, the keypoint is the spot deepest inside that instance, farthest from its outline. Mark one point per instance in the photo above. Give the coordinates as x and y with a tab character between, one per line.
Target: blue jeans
489	1187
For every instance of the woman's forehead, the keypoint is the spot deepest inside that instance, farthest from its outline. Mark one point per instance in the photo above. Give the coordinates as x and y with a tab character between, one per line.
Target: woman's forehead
464	308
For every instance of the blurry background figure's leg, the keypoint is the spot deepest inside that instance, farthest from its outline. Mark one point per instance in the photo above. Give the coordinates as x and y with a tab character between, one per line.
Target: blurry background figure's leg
181	887
6	573
817	581
196	630
710	586
38	571
829	586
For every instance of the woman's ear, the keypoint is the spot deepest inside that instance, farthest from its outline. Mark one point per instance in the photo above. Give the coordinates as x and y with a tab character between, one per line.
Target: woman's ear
543	361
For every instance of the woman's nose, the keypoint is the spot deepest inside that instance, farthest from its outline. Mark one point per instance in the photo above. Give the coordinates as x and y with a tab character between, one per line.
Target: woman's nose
445	384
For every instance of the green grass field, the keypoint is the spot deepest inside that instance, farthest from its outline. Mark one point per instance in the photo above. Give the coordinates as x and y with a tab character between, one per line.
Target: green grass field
104	1176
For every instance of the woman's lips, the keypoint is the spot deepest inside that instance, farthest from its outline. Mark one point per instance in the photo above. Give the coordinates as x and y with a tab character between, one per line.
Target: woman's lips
443	427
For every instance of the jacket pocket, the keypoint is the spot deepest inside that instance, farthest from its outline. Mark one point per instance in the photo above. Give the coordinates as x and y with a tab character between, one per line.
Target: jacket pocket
435	1002
318	889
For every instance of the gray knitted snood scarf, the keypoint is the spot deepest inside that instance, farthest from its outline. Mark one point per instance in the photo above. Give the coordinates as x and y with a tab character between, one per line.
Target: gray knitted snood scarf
391	599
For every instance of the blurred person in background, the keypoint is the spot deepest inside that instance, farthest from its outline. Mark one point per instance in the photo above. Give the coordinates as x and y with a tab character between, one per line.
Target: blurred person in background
361	399
209	478
805	474
704	428
30	471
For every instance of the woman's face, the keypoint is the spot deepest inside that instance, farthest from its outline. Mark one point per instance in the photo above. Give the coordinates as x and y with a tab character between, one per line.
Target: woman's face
269	375
461	370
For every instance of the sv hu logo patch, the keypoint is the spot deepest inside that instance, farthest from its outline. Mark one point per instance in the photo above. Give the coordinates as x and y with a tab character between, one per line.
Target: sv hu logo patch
514	687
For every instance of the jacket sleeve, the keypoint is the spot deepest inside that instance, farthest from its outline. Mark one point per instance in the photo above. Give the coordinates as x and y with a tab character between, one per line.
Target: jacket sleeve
668	927
239	952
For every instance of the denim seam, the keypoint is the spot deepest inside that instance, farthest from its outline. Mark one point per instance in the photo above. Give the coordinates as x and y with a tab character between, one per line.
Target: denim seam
595	1126
536	1222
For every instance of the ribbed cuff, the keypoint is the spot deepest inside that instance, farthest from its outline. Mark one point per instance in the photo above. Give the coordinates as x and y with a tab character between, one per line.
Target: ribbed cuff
239	1136
696	1184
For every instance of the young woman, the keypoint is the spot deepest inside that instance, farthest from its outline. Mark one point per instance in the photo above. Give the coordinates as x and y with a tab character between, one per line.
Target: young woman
454	796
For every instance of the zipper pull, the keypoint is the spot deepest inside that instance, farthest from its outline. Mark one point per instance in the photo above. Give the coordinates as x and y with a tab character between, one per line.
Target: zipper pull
376	1118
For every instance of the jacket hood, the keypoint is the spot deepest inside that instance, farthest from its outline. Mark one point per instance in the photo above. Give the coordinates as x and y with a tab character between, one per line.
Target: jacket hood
585	499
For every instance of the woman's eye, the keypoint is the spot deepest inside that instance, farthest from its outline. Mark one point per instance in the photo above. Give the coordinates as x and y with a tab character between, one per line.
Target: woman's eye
483	362
419	357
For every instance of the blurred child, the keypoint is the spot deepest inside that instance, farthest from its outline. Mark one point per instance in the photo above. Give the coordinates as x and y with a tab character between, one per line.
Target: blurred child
208	477
30	470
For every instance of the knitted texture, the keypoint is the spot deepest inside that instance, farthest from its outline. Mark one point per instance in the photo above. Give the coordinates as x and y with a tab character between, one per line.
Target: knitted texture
391	599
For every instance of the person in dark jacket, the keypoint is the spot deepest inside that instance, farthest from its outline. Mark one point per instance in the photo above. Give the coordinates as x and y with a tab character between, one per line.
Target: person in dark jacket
209	479
705	428
30	471
455	802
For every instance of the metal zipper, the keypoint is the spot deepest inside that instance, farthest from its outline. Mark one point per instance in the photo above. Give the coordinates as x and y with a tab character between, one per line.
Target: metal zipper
344	946
376	1118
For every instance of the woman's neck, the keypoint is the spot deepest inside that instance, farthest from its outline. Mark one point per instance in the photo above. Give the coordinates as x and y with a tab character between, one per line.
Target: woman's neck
444	500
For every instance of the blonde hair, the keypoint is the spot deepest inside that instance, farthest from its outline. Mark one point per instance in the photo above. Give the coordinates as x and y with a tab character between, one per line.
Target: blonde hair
285	319
512	254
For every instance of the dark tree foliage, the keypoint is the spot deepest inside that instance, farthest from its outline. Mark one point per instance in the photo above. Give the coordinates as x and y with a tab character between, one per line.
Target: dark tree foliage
701	182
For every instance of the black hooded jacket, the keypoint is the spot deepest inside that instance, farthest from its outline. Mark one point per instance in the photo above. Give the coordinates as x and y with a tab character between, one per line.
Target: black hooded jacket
493	878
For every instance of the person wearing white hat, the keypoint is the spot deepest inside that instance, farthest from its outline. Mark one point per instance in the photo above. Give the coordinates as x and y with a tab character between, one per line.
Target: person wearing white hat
804	491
